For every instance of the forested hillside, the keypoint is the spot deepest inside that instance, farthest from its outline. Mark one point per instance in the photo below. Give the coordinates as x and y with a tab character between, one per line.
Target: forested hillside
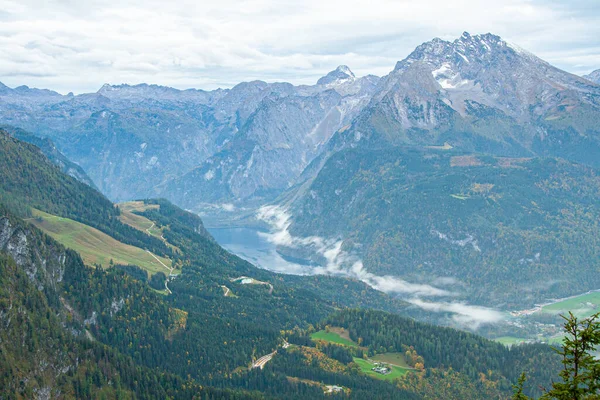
443	348
55	312
510	231
51	151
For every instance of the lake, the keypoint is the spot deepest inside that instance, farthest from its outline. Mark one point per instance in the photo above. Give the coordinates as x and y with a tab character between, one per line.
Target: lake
254	246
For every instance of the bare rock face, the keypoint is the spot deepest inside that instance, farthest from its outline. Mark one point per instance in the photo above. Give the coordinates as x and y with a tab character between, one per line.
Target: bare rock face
43	264
133	141
278	141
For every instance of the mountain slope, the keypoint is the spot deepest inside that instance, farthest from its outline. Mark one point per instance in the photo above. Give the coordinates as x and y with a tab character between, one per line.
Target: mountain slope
49	149
48	346
279	139
508	232
126	338
461	92
131	139
31	180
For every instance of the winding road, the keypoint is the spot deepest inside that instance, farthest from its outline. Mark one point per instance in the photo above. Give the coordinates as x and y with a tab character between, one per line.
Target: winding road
227	291
169	269
157	259
260	363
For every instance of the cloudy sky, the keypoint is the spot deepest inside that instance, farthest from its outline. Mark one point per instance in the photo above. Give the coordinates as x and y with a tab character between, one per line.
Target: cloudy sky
77	45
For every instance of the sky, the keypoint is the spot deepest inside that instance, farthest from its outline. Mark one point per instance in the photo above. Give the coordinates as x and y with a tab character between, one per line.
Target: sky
78	45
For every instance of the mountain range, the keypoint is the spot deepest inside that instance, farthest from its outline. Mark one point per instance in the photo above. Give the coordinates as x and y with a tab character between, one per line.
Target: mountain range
462	189
242	147
226	153
229	145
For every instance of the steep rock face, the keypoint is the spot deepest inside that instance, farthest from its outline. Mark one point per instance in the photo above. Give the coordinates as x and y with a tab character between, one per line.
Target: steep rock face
44	264
594	76
279	139
480	93
130	139
486	69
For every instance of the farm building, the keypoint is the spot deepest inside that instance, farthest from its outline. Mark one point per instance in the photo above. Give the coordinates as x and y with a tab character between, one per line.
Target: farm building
381	369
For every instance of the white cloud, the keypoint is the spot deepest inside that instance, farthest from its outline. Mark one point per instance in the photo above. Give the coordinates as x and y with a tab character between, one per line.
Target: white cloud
463	314
336	260
78	45
344	263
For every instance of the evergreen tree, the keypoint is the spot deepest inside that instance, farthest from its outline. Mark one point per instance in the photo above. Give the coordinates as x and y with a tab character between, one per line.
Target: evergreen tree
581	370
518	389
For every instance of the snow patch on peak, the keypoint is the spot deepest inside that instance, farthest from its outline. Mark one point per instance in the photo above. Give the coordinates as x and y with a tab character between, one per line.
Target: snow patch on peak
447	78
342	74
442	71
344	69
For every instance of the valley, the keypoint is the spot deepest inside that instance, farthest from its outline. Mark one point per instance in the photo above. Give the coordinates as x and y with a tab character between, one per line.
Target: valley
253	245
418	235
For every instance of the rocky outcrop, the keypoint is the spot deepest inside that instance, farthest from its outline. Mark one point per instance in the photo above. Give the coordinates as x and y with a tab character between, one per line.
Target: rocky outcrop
43	263
280	138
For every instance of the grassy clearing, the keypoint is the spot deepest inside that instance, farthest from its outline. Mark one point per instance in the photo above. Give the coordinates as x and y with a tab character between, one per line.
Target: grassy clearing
582	306
396	359
227	292
140	222
366	365
96	247
140	206
332	337
137	221
555	340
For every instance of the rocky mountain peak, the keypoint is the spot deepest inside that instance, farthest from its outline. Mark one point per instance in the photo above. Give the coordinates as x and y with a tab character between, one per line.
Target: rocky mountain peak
107	87
594	76
342	74
490	71
462	51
